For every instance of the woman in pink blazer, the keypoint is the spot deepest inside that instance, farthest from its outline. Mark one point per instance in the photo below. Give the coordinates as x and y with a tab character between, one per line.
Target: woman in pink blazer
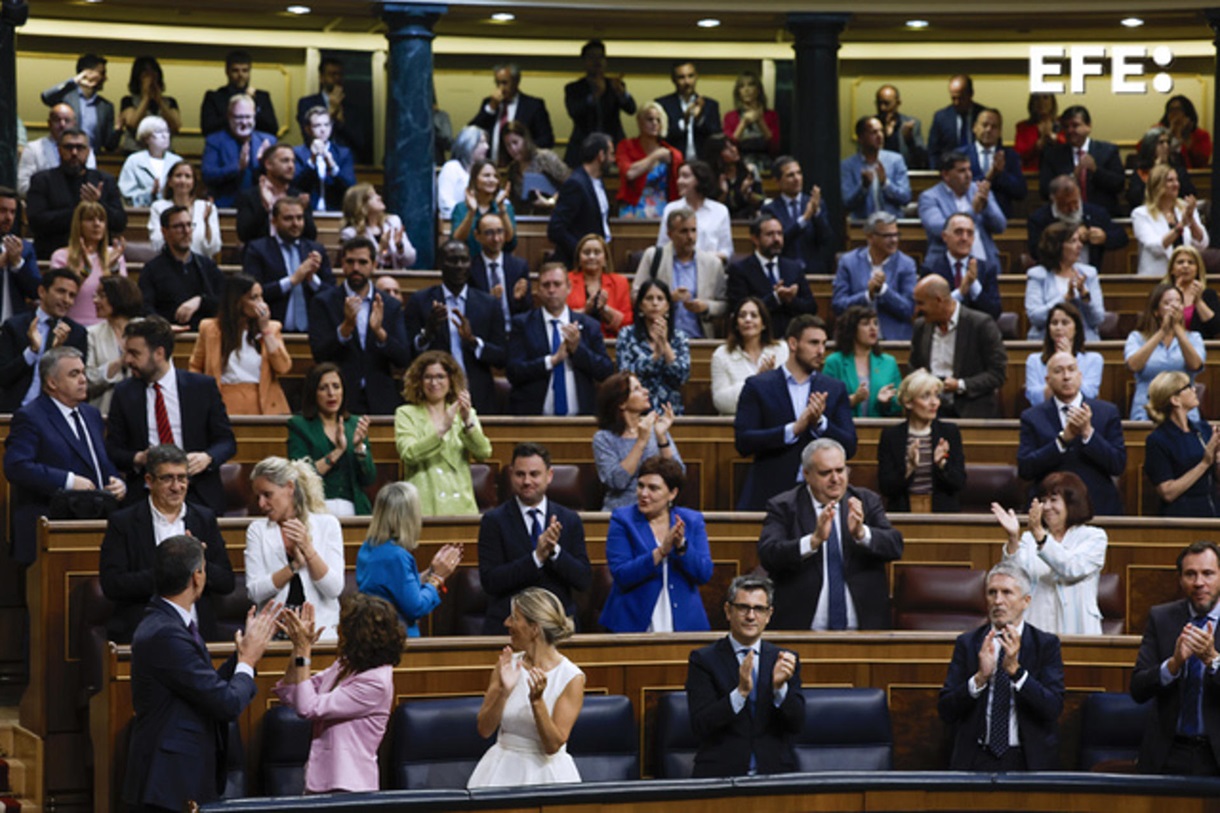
349	701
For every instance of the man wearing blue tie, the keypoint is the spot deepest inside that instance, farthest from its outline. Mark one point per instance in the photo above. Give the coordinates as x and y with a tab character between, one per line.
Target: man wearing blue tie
291	269
27	336
505	277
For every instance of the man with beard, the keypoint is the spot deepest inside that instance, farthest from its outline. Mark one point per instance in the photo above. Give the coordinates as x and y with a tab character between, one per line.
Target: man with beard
178	284
43	153
903	133
215	102
583	207
874	179
231	157
292	268
276	182
1178	666
778	281
55	193
19	274
1098	233
1094	163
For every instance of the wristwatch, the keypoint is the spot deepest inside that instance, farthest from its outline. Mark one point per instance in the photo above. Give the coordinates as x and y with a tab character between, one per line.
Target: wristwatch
301	661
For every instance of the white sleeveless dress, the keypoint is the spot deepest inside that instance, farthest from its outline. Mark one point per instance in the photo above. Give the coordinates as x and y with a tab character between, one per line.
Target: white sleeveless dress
517	757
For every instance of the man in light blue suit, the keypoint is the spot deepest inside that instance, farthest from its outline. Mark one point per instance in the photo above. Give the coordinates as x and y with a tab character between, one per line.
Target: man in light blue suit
880	276
958	194
874	179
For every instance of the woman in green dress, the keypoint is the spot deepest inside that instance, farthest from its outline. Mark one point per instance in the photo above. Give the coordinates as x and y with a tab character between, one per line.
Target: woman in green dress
871	377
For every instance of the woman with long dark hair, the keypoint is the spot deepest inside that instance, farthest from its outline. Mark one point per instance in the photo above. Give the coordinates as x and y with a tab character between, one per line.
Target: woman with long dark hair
740	186
1187	138
1161	342
146	97
697	187
1064	334
629	433
871	377
655	351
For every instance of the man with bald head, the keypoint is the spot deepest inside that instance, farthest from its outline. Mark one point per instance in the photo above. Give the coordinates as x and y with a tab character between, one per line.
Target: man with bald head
43	153
961	347
903	133
1068	432
953	126
232	156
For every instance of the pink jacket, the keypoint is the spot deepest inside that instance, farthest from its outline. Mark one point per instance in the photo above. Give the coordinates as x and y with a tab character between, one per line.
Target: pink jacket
348	723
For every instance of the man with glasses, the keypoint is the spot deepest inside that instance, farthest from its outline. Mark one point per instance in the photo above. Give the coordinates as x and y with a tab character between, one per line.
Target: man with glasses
129	549
178	284
55	193
505	277
744	694
879	276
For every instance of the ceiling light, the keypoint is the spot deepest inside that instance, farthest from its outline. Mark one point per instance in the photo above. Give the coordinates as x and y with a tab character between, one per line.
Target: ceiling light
708	22
299	9
917	24
1132	22
503	17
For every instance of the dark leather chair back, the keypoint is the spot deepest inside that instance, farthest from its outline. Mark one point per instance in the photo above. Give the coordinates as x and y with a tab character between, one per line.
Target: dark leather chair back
235	764
436	743
675	741
1110	602
91	611
1111	728
1007	323
286	741
945	599
231	609
469	605
845	730
238	493
605	742
991	482
484	482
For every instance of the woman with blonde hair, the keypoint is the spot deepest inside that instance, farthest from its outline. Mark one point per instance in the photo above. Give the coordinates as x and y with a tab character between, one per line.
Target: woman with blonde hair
752	126
364	215
534	698
596	289
295	553
1180	453
1165	221
1200	304
647	166
437	433
921	465
385	565
484	196
90	255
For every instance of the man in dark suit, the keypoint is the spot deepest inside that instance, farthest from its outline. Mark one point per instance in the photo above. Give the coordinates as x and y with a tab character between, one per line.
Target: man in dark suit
507	103
462	321
808	237
232	156
594	102
975	283
1095	164
505	277
19	275
55	443
325	168
744	693
991	161
292	268
583	207
129	548
278	179
556	356
1069	432
214	110
953	126
903	133
361	329
530	541
692	116
780	411
179	285
331	98
778	281
183	706
1099	233
28	335
827	533
1004	690
959	346
55	194
83	93
160	404
1178	667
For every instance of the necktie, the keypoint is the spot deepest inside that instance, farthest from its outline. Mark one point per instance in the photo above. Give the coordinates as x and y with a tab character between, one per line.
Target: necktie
193	628
794	210
752	699
771	275
535	526
83	435
165	432
455	339
296	320
986	160
1001	705
957	274
836	595
1190	720
559	380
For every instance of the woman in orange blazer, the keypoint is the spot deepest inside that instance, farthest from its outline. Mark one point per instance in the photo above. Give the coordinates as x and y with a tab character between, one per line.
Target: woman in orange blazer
243	350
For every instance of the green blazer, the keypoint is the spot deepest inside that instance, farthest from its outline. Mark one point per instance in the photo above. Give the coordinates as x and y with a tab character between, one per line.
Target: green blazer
439	466
882	370
350	476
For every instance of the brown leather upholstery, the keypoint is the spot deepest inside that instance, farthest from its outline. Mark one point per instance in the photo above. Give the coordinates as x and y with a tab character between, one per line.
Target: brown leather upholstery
1108	329
238	493
484	480
944	599
467	605
991	482
1110	602
1007	323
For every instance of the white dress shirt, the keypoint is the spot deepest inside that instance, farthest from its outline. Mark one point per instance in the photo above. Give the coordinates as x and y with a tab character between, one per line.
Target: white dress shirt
169	394
821	615
569	371
1014	738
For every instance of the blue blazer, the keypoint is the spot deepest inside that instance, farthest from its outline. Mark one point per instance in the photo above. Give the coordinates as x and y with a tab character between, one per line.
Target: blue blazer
895	307
40	450
1097	462
637	581
988	298
943	135
808	243
264	261
576	214
220	167
368	373
895	194
938	204
1039	703
1042	293
763	410
487	322
335	185
16	374
506	561
1008	185
513	268
529	342
747	277
23	281
342	132
183	707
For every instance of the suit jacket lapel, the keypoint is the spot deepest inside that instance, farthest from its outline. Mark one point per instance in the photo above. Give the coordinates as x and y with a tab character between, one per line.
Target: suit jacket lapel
961	344
78	446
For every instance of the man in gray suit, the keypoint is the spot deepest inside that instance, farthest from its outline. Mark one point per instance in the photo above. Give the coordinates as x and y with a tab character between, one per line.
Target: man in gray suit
83	93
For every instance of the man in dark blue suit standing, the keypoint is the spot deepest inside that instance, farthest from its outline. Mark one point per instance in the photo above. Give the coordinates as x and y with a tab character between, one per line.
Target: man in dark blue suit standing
808	237
462	321
990	161
692	116
530	541
507	103
19	275
27	335
324	168
1094	163
953	126
556	356
780	411
1069	432
505	277
55	443
583	207
778	281
183	706
1003	693
291	269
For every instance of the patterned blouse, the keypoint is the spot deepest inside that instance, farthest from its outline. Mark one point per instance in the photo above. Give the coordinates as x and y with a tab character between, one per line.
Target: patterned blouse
663	380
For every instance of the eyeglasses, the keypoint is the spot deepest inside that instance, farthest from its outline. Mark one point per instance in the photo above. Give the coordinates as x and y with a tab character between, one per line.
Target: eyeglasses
746	609
170	479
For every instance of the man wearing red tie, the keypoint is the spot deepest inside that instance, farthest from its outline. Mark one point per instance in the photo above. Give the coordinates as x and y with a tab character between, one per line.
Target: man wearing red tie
1095	164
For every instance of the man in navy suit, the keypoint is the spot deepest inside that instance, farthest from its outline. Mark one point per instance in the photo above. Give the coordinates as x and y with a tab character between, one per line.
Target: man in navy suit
325	168
1098	231
953	126
278	180
183	706
989	161
505	277
1003	693
55	443
556	356
331	97
594	102
808	236
1069	432
975	282
507	103
826	544
744	693
880	276
583	207
1177	667
780	411
19	275
1095	164
958	194
160	404
28	335
692	116
55	193
215	106
129	548
361	329
462	321
231	156
291	268
778	281
530	541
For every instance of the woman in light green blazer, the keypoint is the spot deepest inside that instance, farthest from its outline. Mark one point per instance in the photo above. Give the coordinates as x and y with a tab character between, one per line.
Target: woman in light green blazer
857	352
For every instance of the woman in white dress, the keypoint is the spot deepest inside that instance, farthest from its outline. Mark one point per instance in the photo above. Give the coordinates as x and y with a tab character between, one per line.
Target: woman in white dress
750	349
181	187
698	185
118	301
534	699
1062	555
1165	221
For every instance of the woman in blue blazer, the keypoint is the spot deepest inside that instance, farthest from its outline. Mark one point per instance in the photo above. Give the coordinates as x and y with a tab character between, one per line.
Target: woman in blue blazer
658	555
1061	278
